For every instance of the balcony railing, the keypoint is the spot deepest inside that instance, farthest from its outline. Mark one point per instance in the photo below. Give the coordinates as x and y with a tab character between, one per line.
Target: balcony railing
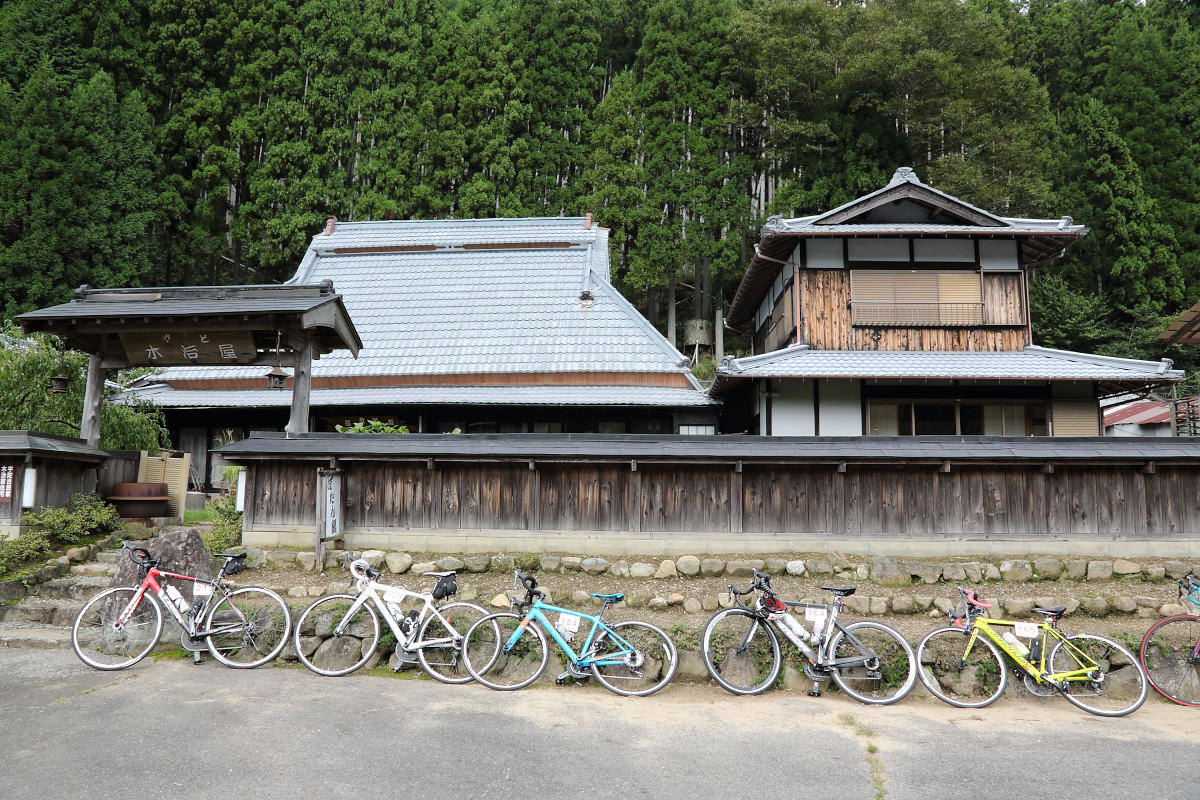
915	315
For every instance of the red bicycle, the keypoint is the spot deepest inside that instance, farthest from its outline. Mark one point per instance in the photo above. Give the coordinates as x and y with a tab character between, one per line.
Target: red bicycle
243	628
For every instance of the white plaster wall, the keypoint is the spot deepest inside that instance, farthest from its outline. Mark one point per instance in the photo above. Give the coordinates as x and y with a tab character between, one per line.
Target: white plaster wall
840	407
792	412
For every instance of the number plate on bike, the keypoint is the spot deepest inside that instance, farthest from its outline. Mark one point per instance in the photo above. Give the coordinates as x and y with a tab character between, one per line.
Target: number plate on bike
815	614
393	596
201	589
1025	630
567	623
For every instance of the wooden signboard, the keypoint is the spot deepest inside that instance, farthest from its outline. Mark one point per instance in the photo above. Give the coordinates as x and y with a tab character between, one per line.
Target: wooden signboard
329	510
175	348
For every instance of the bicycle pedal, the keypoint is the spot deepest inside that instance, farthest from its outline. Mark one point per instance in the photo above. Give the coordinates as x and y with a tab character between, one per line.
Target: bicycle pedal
815	691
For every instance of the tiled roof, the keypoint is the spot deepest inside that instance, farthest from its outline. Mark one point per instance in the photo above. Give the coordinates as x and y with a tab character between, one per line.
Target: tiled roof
656	396
1032	363
458	307
48	445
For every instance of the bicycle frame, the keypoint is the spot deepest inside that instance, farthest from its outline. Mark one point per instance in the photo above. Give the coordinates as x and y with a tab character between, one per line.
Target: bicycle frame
195	614
583	659
369	590
1047	631
822	632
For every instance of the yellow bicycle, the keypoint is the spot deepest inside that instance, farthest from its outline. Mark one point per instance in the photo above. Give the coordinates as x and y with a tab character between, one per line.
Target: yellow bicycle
962	665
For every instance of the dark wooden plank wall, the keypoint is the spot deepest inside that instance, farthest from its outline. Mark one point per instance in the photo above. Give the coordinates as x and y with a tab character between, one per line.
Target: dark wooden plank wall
825	318
884	501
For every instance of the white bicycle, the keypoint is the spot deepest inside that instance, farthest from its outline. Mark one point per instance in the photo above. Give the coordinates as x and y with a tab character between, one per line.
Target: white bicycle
339	633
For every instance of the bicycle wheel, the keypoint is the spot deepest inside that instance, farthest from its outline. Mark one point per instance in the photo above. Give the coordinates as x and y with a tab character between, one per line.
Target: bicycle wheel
252	626
1116	685
634	659
506	668
1169	654
965	678
443	660
330	641
102	646
889	674
741	653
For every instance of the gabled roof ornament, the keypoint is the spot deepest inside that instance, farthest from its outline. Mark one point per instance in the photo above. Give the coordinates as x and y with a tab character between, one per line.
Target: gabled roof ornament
904	175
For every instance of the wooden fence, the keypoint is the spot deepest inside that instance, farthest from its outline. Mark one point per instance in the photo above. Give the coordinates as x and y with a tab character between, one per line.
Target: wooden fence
897	500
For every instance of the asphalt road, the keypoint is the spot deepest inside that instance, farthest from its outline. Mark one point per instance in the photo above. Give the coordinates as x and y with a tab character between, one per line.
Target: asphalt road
170	729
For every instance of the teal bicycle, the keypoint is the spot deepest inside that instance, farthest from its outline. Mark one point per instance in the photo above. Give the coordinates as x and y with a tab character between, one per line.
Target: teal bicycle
629	658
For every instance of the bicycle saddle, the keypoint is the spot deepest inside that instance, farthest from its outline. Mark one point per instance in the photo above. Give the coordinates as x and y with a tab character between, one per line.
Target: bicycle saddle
612	598
843	591
439	574
1055	612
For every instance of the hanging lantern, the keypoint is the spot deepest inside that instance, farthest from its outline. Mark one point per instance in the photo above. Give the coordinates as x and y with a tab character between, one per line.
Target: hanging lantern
277	378
58	384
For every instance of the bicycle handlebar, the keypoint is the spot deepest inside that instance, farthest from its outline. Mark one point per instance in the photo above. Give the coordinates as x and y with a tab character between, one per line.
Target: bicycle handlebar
140	556
360	569
1189	585
531	591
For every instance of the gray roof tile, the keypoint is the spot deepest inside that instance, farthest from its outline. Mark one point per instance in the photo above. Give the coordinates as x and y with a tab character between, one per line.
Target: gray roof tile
455	311
1033	363
654	396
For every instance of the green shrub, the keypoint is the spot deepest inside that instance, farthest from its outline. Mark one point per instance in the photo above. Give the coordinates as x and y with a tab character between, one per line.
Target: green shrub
85	515
227	524
371	426
29	548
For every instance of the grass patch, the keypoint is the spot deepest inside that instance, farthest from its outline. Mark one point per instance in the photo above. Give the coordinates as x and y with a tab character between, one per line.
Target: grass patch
194	515
874	762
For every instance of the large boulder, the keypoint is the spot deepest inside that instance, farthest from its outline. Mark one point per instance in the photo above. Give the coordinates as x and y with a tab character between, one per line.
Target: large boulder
181	551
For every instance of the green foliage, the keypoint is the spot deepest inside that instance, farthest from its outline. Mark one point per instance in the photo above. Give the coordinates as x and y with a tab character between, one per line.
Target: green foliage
705	368
49	530
227	524
85	515
371	426
26	366
31	547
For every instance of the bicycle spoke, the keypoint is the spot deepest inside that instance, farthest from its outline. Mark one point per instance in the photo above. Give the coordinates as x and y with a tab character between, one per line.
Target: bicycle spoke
1169	654
634	658
101	644
1106	678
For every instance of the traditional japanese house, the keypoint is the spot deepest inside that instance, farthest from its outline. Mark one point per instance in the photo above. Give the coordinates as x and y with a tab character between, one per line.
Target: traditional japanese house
906	312
481	326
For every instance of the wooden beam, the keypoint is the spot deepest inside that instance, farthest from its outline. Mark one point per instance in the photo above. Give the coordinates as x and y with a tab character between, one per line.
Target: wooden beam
1047	468
1149	468
93	400
944	467
301	389
735	499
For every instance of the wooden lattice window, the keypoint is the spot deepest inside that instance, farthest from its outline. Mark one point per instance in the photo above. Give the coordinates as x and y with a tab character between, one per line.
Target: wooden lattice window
915	298
6	482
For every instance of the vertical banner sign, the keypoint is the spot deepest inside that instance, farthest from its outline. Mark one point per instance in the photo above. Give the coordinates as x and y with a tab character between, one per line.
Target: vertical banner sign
330	498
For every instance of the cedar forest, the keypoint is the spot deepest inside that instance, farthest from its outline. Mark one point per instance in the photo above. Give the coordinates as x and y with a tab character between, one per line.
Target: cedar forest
147	142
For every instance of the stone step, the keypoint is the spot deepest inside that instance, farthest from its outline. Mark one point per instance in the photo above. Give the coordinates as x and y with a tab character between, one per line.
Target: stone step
42	611
37	638
109	556
74	588
94	569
